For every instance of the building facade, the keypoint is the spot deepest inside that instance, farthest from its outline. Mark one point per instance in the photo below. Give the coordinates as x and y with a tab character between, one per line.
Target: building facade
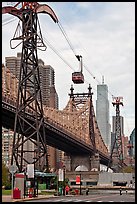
132	141
102	113
7	141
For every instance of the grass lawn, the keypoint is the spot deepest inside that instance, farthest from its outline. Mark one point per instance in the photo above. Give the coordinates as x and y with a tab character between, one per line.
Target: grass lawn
47	193
6	192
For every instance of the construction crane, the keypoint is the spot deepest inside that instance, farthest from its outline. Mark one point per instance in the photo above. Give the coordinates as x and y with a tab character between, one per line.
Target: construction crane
78	77
29	91
117	148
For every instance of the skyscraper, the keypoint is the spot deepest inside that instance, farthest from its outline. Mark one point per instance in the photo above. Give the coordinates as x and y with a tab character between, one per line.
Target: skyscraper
49	99
47	82
7	140
102	113
132	141
13	63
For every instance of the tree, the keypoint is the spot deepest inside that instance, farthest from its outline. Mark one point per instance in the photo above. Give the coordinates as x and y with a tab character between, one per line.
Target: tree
128	169
5	176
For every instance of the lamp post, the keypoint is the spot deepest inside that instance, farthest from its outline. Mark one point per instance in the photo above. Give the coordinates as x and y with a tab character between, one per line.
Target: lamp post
80	182
64	169
35	165
12	169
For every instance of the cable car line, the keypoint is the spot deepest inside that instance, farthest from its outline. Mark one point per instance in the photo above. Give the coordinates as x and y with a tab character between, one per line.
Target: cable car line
77	74
57	53
9	21
66	37
77	77
72	48
82	65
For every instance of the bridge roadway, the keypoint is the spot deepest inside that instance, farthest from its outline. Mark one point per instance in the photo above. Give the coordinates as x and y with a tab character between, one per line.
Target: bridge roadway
55	137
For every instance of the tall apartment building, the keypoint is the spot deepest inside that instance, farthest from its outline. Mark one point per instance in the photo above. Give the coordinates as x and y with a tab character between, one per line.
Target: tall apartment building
7	144
102	113
47	78
132	141
13	63
125	147
7	141
49	97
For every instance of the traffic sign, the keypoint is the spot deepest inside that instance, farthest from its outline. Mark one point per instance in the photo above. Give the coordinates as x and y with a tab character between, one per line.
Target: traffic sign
13	168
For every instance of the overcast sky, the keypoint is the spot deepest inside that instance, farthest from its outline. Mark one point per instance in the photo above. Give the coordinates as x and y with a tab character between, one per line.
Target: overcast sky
104	34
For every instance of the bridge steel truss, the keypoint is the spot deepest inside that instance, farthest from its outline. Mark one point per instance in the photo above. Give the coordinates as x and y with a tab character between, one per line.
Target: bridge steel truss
68	129
29	81
76	104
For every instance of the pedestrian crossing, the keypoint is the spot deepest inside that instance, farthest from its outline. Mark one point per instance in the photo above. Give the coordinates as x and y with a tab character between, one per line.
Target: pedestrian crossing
76	200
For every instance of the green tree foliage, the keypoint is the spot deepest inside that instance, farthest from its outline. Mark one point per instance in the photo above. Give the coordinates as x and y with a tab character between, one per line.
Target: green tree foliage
5	176
128	169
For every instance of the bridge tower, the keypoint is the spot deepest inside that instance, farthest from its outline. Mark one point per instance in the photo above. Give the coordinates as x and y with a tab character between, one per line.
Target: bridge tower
91	161
29	92
116	155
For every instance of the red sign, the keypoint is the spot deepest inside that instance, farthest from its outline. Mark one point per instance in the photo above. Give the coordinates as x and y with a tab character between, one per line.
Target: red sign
77	179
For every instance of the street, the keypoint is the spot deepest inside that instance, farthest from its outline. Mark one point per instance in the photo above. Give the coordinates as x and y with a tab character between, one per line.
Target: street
90	198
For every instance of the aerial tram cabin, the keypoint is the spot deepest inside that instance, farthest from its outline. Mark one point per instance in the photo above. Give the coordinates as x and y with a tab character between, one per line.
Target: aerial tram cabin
78	77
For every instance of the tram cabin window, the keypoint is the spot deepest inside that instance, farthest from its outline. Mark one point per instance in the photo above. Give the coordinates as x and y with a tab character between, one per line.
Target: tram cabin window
77	78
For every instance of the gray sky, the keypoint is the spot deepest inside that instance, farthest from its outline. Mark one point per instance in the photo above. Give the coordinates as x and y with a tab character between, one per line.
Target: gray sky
104	34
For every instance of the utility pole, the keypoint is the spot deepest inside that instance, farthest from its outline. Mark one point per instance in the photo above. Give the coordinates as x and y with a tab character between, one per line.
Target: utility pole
29	118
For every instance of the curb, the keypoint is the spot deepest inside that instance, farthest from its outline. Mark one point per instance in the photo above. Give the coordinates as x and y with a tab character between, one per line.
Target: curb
26	199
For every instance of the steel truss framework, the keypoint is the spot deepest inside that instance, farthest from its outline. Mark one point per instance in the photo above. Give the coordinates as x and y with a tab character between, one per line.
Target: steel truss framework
117	149
77	101
29	81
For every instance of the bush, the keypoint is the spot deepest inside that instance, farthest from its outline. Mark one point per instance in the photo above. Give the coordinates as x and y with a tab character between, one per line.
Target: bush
57	194
5	177
8	187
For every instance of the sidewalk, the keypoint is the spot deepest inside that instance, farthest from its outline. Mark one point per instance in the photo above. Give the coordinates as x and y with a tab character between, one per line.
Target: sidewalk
8	198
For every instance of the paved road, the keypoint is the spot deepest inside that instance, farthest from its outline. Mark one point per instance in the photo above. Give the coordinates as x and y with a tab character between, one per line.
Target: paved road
90	198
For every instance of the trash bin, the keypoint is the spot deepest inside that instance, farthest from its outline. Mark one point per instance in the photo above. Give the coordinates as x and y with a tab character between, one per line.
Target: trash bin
76	191
30	193
60	190
16	193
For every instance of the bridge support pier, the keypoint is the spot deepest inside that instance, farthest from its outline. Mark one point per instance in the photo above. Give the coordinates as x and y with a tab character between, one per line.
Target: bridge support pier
88	162
67	162
95	162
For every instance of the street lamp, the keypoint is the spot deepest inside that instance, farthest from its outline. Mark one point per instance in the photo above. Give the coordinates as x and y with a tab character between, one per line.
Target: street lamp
35	180
80	182
64	169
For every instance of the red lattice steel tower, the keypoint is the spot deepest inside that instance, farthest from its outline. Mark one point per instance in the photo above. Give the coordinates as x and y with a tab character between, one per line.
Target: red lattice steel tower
117	150
29	92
